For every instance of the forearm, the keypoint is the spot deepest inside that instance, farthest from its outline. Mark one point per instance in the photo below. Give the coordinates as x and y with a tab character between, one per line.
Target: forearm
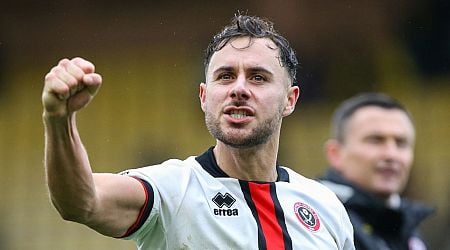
109	203
68	171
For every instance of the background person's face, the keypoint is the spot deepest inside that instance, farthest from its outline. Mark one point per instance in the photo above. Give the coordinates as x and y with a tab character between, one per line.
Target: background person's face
378	150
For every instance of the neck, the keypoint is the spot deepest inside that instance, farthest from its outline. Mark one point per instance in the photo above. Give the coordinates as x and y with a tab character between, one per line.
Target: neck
251	164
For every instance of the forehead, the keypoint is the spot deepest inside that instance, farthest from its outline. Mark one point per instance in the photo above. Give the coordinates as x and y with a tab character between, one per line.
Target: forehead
249	52
373	119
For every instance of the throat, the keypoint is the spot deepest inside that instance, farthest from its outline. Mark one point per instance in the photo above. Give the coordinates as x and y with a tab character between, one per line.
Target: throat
244	166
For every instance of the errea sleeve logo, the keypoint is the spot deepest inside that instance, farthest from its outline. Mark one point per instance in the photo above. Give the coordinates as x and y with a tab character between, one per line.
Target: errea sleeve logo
224	202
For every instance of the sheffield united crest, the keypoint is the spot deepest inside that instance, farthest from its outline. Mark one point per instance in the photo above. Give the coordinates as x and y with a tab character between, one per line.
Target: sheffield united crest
307	216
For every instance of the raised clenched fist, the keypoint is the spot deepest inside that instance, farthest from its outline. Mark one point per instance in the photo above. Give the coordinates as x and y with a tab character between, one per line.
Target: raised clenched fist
69	86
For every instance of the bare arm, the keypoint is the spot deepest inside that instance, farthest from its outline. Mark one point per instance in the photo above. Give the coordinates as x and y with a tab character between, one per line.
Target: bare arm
108	203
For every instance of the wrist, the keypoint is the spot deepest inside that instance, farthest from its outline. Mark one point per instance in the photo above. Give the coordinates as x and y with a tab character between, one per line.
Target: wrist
50	117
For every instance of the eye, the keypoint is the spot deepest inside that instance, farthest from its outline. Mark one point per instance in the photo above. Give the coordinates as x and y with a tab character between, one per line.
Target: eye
375	139
225	76
402	143
258	78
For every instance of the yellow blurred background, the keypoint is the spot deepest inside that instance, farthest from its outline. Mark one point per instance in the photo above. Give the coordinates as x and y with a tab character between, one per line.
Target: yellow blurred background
150	56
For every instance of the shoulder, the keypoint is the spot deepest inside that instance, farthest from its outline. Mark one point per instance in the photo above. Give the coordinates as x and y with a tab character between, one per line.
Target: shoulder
320	200
172	169
310	186
318	195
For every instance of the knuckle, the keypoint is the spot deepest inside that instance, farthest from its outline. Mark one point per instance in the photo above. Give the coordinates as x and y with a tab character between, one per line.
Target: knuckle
57	70
77	59
49	76
72	82
85	65
63	61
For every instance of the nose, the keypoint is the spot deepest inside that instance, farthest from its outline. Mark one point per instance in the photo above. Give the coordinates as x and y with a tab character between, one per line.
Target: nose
391	149
240	90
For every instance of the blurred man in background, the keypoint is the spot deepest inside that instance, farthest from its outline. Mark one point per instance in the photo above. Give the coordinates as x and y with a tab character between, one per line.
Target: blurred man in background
370	156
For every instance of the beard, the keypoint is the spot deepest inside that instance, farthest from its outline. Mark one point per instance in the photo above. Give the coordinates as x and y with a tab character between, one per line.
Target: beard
236	138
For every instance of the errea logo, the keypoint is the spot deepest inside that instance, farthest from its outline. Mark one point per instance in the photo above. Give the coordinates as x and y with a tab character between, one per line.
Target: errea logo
224	202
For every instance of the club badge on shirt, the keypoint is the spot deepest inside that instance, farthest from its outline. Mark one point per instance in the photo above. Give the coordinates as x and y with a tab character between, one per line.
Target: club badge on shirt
307	216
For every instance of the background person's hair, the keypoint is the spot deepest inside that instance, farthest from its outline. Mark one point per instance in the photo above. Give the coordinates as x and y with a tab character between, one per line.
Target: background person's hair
254	27
351	105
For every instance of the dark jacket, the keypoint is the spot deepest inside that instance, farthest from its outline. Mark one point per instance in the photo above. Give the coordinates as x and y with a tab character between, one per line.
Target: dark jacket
377	226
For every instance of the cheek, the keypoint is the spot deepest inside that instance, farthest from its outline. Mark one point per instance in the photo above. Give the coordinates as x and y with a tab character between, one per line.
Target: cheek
208	105
408	158
211	99
213	106
407	162
271	103
361	155
358	162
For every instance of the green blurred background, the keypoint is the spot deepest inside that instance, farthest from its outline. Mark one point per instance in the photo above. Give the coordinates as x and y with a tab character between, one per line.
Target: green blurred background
150	55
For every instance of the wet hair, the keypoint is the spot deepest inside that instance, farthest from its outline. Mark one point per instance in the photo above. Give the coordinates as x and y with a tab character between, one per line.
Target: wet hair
347	108
254	27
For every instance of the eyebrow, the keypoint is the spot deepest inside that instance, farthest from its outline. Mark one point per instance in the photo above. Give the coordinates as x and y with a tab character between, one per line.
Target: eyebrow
223	69
260	69
251	69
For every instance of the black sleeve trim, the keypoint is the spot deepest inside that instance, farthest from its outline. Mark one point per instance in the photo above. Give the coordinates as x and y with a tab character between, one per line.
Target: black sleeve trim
145	210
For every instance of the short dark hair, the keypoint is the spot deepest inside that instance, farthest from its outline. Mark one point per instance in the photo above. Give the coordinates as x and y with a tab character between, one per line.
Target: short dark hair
351	105
254	27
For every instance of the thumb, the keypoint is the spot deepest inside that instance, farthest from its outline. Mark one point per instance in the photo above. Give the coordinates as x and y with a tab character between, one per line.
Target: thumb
92	82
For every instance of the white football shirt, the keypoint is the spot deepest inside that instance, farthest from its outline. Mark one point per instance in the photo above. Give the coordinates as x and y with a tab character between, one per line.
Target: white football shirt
193	204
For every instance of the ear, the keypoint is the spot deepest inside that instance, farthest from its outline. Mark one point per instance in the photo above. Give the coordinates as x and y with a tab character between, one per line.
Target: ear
333	150
292	97
202	96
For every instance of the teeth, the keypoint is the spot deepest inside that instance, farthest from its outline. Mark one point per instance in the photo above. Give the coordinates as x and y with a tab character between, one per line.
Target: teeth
238	114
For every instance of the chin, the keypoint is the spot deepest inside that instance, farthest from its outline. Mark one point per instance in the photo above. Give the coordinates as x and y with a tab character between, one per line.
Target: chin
386	190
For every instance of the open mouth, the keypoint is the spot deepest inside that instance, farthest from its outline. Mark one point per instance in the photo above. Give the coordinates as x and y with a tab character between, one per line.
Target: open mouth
238	114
